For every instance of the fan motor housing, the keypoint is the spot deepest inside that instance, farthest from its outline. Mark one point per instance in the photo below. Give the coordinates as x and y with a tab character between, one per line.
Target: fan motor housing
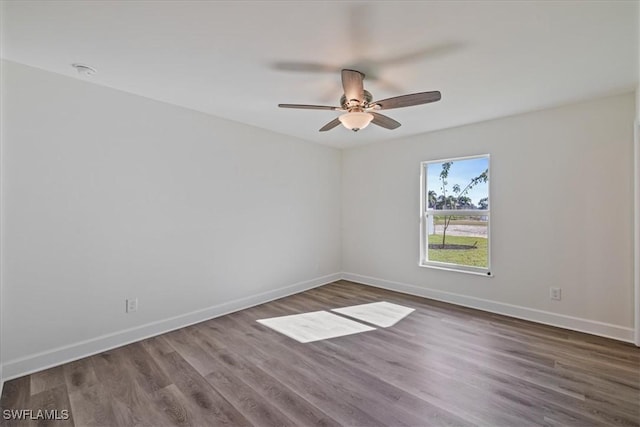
367	99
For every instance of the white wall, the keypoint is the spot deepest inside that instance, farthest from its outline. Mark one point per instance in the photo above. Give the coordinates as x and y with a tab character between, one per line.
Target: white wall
1	233
109	196
562	215
637	192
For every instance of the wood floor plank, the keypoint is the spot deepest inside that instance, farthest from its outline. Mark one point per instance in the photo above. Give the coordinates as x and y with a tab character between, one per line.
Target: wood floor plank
79	375
55	406
146	371
91	406
206	404
274	391
47	379
138	409
15	393
157	346
15	397
256	409
174	406
128	384
440	365
187	344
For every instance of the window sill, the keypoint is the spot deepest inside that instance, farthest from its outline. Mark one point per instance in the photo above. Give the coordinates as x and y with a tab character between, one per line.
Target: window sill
459	269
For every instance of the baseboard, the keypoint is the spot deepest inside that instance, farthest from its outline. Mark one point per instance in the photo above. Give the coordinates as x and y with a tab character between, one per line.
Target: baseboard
593	327
37	362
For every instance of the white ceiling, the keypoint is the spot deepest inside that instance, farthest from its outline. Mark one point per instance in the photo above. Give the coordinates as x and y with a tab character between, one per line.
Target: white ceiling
230	59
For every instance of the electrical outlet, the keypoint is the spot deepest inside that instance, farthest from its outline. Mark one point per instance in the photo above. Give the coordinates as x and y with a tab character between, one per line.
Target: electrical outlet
132	305
555	293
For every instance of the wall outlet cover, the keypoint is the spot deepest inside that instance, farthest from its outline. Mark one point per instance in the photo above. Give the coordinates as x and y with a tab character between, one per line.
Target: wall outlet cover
132	305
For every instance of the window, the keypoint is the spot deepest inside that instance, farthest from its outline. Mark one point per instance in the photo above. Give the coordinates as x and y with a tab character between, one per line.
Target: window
455	214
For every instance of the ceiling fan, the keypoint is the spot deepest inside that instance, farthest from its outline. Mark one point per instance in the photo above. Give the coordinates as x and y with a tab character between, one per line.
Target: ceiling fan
358	109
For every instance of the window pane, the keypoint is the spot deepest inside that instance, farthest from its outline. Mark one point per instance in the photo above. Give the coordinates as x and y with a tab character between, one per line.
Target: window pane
458	184
458	239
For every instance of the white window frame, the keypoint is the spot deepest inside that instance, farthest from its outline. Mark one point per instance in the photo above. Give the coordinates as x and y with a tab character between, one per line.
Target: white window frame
425	212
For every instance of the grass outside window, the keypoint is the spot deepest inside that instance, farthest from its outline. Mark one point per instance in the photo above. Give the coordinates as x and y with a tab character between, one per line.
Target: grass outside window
475	257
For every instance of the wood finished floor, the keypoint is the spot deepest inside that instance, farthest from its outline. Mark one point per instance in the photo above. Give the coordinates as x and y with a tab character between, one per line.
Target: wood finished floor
441	365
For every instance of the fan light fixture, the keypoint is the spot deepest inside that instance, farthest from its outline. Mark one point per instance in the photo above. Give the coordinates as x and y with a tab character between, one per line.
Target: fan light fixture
356	120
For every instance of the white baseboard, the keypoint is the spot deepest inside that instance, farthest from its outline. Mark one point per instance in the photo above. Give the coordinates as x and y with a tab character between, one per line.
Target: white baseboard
37	362
593	327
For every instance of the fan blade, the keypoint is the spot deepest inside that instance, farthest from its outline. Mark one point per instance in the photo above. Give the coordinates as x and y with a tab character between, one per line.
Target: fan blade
352	85
384	121
310	67
408	100
427	52
333	123
308	107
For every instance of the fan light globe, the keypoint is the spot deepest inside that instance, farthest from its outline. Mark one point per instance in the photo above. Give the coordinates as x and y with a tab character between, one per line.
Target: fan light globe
356	120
